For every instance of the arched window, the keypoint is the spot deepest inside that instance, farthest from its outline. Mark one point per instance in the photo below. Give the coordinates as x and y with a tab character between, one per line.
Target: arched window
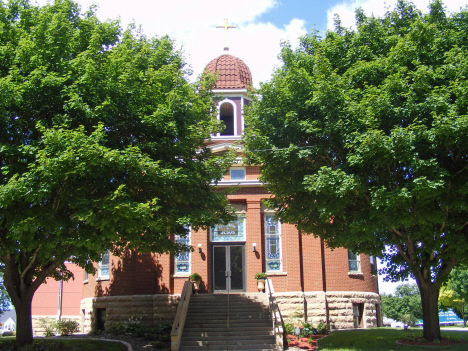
226	115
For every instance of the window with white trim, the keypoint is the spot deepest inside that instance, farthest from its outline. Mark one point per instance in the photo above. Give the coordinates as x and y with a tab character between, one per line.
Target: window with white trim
373	265
354	262
237	173
226	115
182	259
232	231
103	266
274	262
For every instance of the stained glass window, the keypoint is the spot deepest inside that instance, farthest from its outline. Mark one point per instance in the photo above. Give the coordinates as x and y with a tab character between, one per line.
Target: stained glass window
273	244
103	266
353	262
232	231
182	259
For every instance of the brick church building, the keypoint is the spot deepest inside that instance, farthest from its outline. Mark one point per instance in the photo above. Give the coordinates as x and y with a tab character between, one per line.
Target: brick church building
310	281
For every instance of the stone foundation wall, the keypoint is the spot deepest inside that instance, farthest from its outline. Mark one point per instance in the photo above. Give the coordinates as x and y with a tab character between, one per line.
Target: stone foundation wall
37	325
311	307
150	310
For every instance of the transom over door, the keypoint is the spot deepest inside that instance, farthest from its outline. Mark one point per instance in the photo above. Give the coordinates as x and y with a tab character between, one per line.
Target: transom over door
228	268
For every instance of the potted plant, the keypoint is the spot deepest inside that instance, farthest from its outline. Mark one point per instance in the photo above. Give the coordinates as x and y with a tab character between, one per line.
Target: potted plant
195	278
260	280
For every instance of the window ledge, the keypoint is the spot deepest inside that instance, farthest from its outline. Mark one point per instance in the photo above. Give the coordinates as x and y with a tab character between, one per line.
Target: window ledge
276	273
181	275
85	281
355	273
102	279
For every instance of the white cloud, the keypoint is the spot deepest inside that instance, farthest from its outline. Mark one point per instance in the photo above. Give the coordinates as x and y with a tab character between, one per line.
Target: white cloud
192	24
346	9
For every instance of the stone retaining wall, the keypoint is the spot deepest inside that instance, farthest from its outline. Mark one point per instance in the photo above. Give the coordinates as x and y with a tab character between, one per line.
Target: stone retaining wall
311	307
37	325
150	310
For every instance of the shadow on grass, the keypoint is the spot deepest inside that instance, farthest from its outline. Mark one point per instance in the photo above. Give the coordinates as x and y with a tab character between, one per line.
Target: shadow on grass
64	344
383	339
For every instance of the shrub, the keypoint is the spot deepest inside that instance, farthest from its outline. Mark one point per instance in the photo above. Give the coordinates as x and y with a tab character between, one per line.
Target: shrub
8	333
67	327
116	329
137	329
195	276
261	275
322	328
308	329
48	326
288	328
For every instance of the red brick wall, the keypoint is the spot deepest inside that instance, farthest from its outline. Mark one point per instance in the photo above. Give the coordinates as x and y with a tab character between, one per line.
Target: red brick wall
45	299
153	274
336	266
134	274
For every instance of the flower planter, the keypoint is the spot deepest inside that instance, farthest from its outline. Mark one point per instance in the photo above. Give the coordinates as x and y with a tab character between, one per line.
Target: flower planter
260	284
196	285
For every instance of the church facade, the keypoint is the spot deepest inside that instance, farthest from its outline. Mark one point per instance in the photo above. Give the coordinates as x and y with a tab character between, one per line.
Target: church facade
310	282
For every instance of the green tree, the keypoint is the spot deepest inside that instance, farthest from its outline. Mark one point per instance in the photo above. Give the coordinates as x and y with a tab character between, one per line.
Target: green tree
454	293
101	146
4	298
405	302
362	140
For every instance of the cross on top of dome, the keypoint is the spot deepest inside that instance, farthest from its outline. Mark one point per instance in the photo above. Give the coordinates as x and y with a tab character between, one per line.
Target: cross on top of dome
226	27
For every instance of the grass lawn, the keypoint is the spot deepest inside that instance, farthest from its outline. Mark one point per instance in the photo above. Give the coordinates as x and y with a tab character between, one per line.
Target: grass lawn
383	339
79	344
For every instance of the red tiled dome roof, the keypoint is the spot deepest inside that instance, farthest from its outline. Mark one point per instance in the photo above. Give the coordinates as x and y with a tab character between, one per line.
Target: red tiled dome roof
232	72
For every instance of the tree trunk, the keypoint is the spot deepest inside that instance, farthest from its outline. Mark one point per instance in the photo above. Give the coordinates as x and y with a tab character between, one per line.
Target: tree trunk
24	333
430	309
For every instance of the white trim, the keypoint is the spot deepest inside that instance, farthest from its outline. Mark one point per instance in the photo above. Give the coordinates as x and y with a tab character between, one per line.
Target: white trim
189	261
234	112
279	242
242	115
227	92
226	137
237	169
225	147
250	182
104	277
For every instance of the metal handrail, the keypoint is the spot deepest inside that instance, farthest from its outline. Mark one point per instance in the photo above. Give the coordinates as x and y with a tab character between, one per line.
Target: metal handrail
181	314
275	313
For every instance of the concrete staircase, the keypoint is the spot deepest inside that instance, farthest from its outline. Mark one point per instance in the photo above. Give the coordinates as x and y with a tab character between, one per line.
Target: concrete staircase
250	325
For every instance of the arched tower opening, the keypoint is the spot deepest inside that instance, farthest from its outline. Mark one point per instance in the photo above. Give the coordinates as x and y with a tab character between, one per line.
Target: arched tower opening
226	115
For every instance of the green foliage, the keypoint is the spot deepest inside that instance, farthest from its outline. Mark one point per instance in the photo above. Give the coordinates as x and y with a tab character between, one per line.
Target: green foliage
64	327
116	329
362	140
322	328
405	301
454	294
261	275
67	327
48	325
288	328
101	144
308	329
195	276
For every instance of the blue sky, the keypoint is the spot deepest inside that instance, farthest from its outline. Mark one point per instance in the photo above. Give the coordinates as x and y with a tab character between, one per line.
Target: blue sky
261	26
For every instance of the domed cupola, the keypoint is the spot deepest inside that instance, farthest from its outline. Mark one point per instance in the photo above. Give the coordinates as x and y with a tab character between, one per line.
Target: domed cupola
234	80
232	72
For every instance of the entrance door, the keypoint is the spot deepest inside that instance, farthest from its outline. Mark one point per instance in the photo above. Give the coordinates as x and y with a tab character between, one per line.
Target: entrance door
228	268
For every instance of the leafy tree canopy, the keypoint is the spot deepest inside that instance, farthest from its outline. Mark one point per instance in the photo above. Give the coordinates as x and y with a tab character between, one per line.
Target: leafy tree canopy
362	138
101	145
405	301
454	293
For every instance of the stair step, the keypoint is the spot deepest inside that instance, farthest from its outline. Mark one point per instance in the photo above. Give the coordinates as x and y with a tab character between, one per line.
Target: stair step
250	325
